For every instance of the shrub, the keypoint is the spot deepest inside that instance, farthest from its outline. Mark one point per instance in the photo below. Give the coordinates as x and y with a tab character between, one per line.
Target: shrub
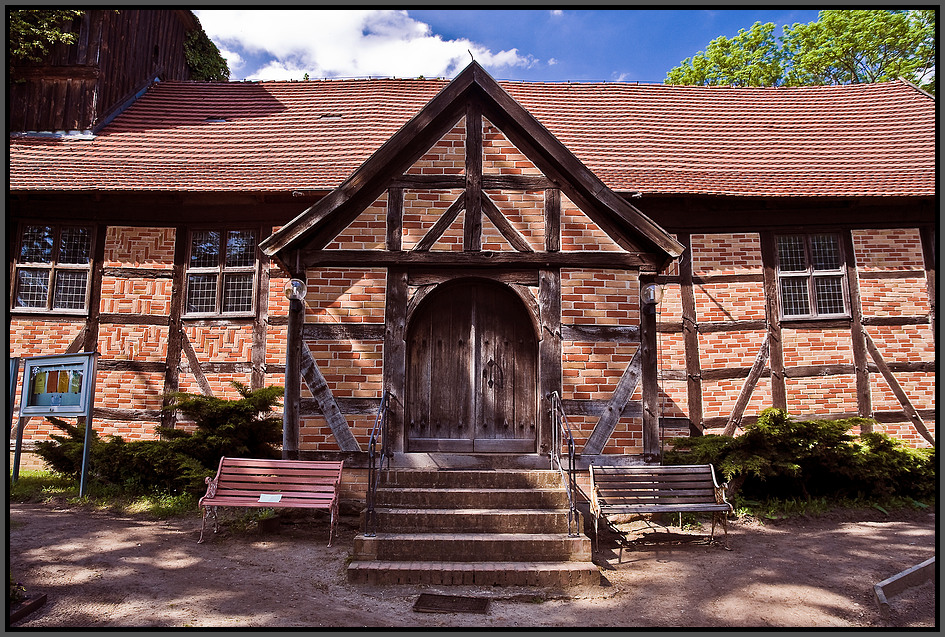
179	462
779	457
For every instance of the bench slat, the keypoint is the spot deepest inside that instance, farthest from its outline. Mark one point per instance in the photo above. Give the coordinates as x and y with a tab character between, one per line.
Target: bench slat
300	484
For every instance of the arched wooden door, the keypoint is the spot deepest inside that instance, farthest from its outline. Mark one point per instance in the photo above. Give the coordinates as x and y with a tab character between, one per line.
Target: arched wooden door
472	372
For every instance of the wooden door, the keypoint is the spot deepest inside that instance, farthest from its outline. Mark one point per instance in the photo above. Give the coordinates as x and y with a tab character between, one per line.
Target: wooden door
472	372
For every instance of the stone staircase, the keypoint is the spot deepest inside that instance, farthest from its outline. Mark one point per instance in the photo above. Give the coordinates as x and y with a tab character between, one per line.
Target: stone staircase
501	527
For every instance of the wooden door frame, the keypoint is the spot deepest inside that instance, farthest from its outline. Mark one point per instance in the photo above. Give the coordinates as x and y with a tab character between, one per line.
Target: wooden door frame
514	283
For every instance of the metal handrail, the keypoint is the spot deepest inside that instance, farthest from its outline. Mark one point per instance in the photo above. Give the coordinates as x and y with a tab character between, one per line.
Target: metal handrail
560	432
374	475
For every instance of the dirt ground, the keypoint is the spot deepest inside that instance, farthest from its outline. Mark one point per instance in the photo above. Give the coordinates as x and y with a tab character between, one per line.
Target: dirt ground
105	570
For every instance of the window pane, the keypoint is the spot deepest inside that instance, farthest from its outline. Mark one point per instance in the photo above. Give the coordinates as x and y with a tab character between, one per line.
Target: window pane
205	249
794	299
238	293
240	248
829	292
37	246
32	288
791	256
825	252
70	290
201	293
75	245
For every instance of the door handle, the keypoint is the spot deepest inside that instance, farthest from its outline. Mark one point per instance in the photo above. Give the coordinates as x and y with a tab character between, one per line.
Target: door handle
491	373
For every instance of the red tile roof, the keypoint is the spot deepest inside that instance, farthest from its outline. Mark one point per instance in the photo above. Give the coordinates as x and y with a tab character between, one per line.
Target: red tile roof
854	140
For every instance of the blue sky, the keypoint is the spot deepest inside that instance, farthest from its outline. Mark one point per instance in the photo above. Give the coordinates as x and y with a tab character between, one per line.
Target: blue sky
629	45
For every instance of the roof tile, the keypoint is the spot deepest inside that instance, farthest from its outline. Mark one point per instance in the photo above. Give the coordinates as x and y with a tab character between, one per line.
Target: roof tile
851	140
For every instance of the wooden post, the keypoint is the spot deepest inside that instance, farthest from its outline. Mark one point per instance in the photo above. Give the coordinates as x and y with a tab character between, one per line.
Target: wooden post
293	379
928	256
395	354
769	260
690	327
261	317
175	328
552	212
864	401
472	229
549	351
651	409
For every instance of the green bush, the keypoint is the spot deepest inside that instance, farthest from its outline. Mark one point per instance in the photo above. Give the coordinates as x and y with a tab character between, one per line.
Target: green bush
180	461
779	457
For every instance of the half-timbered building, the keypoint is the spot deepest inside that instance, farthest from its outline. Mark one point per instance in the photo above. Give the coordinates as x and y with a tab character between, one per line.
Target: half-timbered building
657	260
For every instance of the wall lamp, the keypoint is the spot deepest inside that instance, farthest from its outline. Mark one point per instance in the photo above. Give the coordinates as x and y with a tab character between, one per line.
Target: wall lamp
295	290
651	294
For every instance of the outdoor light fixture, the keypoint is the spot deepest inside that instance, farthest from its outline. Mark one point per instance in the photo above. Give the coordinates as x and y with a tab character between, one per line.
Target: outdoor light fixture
651	294
295	290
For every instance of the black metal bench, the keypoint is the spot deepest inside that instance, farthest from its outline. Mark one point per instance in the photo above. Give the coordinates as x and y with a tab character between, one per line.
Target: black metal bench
643	489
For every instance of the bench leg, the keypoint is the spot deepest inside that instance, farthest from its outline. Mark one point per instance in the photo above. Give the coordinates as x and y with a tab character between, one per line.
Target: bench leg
216	523
203	524
333	522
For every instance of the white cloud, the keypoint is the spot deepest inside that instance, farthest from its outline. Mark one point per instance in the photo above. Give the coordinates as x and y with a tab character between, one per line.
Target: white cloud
286	44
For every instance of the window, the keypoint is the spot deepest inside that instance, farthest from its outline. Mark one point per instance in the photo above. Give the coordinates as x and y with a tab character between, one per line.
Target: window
811	276
53	268
221	272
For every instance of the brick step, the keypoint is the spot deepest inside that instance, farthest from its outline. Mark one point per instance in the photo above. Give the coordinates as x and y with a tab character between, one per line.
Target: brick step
482	478
468	498
537	574
400	520
473	547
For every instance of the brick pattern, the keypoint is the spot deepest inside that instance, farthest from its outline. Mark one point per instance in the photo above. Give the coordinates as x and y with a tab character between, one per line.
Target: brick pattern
346	295
367	232
578	232
422	208
136	247
133	342
353	369
151	297
603	297
725	253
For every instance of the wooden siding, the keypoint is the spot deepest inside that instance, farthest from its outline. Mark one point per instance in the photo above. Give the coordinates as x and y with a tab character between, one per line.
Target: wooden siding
116	55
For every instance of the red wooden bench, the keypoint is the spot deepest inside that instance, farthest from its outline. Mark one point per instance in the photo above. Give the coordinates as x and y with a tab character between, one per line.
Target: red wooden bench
253	482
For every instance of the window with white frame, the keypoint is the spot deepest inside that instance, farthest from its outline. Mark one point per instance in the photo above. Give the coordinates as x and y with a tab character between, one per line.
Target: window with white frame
221	272
811	276
53	266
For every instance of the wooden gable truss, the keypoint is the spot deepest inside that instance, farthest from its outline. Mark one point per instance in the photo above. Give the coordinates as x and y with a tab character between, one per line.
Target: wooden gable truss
646	248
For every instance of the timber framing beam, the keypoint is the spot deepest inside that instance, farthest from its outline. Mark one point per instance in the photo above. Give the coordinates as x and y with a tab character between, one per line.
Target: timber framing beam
381	258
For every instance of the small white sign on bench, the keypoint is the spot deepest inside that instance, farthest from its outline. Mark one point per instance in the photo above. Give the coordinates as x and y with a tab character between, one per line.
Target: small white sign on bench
270	497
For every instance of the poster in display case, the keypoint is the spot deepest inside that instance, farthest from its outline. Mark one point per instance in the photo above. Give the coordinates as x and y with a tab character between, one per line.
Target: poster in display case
57	385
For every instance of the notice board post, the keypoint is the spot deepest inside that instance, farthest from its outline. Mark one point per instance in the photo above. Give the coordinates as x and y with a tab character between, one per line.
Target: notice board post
62	385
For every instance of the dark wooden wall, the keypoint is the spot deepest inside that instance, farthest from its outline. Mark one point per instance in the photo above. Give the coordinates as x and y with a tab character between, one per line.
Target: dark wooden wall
116	55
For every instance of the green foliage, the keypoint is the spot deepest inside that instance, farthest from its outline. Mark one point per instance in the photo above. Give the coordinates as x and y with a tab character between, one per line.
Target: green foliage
179	463
204	59
17	592
33	31
751	58
842	47
781	458
241	428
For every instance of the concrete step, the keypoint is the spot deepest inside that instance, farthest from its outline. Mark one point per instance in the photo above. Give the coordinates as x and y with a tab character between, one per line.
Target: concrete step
537	574
473	547
469	498
460	478
412	520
